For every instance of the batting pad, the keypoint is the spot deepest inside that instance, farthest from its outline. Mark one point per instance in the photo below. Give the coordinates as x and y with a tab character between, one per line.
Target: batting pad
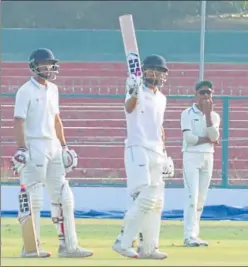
63	216
135	216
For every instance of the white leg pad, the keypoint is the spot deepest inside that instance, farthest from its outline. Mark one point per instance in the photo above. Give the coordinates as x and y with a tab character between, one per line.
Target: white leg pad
36	198
63	217
151	229
144	203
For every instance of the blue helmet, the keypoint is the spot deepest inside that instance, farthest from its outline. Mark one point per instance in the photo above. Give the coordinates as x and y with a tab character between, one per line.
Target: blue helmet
43	63
155	70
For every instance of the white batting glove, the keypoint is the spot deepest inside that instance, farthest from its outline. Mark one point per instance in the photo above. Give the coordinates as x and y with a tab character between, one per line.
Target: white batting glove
132	85
168	169
70	159
20	160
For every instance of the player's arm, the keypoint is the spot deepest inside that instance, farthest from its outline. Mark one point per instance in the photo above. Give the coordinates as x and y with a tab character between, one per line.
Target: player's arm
20	113
21	157
69	157
213	126
132	88
163	112
163	133
130	103
188	136
60	130
19	132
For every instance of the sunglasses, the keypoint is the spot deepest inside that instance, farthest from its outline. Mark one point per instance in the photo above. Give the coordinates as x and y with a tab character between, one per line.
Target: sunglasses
203	92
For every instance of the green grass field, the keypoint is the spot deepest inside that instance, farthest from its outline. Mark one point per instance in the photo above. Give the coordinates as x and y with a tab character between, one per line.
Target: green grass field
228	245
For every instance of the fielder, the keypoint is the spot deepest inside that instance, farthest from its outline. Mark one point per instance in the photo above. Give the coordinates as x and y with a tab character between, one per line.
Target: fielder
200	127
145	160
43	157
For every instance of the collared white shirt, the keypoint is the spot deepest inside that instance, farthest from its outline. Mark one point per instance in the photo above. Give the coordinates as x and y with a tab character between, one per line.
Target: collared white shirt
37	105
145	122
194	120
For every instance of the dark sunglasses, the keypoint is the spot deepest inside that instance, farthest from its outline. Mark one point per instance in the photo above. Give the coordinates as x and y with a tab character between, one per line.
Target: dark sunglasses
203	92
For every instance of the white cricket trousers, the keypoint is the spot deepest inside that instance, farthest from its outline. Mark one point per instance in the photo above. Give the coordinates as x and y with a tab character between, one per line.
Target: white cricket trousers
143	168
197	174
146	186
44	168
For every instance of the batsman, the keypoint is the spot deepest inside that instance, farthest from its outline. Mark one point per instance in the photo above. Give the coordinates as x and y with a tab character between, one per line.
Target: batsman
42	157
145	160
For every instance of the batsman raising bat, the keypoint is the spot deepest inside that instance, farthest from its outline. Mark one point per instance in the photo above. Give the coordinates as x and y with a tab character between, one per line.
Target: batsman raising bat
145	160
43	157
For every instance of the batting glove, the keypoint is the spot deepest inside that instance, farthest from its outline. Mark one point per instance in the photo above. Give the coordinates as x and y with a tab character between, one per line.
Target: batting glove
168	169
70	159
20	160
132	85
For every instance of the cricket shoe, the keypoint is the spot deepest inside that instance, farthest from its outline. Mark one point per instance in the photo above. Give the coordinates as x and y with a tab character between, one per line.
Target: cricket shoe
155	255
41	254
77	253
191	242
130	252
202	243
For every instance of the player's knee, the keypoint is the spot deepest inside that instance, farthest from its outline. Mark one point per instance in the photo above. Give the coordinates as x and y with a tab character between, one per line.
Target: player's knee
36	195
193	204
200	206
63	196
159	205
147	198
67	198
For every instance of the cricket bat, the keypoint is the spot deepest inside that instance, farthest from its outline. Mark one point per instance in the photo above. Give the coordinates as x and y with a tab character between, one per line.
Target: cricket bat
131	47
27	223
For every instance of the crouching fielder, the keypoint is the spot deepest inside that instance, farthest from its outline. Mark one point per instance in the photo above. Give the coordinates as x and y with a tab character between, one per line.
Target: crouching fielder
144	160
200	127
43	157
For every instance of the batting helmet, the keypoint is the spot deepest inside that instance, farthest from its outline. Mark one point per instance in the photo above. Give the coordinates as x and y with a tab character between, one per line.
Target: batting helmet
44	64
155	70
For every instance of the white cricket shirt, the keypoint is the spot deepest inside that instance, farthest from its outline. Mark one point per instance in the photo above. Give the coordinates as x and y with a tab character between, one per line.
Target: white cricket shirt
37	105
194	120
144	126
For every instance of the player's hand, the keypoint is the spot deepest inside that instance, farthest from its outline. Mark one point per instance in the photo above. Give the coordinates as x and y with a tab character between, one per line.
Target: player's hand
70	159
207	106
20	160
132	85
216	142
168	169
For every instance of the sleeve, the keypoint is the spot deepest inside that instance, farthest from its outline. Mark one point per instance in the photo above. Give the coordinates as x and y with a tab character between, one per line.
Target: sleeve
185	121
57	101
188	136
214	130
22	102
165	104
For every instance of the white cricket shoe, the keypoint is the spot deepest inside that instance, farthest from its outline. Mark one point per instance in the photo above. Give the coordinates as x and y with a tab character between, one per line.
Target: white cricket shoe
191	242
203	243
155	255
77	253
40	254
130	252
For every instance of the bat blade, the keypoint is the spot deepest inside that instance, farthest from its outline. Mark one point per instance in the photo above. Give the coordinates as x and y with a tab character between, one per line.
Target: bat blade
29	236
130	45
27	223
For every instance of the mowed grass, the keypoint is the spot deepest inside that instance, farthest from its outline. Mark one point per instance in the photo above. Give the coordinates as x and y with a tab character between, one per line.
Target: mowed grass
228	244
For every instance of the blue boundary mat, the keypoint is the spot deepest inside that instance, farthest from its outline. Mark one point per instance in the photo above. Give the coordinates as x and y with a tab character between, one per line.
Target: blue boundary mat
218	212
